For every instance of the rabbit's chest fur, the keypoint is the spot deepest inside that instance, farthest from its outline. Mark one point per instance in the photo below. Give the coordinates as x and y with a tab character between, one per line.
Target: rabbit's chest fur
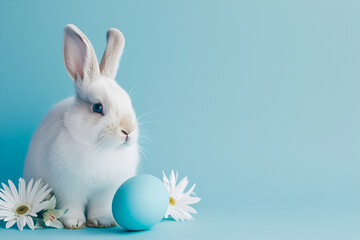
60	159
98	167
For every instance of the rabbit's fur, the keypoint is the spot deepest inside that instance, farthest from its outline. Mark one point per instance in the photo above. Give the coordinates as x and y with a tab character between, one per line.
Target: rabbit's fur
82	154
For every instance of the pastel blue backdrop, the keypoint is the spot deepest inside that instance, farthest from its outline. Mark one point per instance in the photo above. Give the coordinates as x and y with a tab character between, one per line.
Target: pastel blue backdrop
256	101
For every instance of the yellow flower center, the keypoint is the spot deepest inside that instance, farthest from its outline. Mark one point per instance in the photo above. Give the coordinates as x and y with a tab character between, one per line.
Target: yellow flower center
21	210
172	201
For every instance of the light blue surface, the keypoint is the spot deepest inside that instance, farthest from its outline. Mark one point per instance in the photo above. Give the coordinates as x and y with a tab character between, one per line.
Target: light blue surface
140	202
258	102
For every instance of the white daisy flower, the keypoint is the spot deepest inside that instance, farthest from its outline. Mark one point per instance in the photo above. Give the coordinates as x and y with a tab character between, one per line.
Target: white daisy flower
20	206
179	200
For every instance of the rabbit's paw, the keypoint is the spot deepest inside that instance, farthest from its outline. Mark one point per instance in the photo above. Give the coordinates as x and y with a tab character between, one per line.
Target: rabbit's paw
73	221
101	222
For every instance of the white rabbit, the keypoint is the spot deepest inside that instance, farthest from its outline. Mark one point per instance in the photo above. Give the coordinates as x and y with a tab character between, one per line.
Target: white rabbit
86	146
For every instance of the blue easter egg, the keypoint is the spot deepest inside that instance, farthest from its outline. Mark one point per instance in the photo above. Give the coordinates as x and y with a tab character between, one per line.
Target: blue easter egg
140	202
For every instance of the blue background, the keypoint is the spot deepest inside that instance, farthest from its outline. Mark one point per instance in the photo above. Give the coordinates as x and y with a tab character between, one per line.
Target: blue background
256	101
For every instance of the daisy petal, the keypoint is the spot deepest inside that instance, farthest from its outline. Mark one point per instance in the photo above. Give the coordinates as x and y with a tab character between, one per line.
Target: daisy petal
10	218
30	222
9	202
6	209
34	190
191	190
29	187
20	223
167	213
4	205
5	213
166	182
41	191
40	206
189	209
185	215
190	200
7	193
165	179
174	215
38	193
41	195
182	185
172	179
14	191
22	190
10	223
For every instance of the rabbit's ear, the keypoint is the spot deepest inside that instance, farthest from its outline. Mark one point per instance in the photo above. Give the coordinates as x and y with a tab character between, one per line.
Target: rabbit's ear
79	55
114	49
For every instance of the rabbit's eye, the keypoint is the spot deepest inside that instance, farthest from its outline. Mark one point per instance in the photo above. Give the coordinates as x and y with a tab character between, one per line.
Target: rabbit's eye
98	108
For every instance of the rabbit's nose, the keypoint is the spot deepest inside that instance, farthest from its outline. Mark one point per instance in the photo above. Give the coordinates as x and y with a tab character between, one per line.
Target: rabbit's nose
126	133
126	125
